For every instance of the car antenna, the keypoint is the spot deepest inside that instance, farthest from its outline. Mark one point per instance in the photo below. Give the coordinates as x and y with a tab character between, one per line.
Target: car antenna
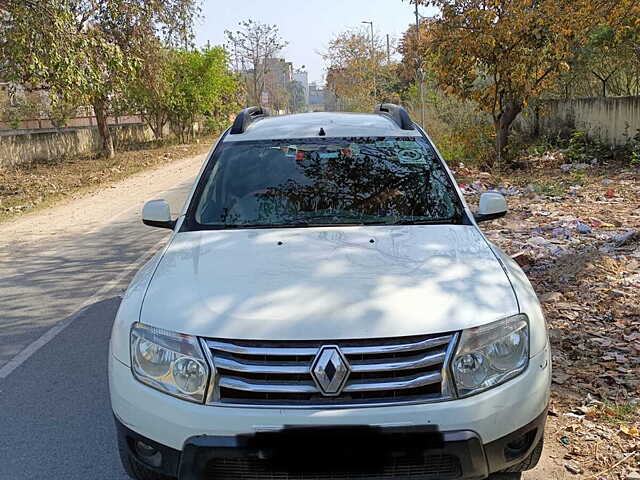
322	133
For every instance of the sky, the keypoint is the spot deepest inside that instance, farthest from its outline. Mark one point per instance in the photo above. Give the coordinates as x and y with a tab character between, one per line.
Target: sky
308	25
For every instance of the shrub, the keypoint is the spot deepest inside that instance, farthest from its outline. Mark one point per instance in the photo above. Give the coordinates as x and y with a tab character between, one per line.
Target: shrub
459	130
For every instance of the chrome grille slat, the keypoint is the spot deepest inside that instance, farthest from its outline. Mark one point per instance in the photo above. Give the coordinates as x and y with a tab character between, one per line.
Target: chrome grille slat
370	386
398	384
262	351
248	386
406	347
277	374
311	351
260	367
424	361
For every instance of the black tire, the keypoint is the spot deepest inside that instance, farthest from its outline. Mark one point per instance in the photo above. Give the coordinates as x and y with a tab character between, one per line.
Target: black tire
530	462
136	470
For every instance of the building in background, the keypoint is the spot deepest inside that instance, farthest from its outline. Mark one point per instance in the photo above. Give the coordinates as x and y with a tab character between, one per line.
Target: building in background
279	73
285	90
302	77
316	97
279	76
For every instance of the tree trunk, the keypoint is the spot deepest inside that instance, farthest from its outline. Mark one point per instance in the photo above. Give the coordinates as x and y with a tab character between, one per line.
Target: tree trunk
603	81
536	122
158	130
103	128
502	125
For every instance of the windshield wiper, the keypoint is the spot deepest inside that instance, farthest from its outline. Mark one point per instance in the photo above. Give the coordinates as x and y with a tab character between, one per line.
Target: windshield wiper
407	221
308	221
334	216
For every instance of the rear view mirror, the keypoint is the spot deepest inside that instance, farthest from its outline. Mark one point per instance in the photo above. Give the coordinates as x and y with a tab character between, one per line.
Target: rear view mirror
157	213
492	206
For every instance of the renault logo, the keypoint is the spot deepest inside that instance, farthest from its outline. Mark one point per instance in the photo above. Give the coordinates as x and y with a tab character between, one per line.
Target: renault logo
330	370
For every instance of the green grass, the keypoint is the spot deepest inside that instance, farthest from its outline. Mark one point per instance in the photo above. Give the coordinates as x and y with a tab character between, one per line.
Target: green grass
618	413
550	188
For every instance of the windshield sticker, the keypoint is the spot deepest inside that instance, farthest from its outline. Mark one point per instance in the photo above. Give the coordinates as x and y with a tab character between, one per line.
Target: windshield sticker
328	154
411	145
385	144
355	148
411	157
292	151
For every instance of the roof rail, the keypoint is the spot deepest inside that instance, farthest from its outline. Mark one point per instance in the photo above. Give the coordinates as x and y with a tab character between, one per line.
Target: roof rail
398	114
246	117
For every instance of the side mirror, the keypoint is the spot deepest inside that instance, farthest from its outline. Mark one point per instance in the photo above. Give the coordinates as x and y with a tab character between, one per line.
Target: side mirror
157	213
492	206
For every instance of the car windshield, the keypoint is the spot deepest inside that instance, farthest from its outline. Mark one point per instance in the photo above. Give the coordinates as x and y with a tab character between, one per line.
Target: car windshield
333	181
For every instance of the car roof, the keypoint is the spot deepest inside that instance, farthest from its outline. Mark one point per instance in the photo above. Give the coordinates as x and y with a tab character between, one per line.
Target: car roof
308	125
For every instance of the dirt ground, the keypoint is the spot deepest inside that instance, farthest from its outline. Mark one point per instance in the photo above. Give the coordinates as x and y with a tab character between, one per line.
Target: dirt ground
33	186
576	233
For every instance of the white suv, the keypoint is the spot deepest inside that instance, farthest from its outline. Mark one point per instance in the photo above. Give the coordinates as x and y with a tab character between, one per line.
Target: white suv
327	307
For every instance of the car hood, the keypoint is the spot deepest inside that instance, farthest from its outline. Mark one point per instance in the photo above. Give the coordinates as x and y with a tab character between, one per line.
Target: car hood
328	283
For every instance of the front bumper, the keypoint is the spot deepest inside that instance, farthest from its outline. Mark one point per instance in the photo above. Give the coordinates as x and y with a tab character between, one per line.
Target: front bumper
329	452
188	429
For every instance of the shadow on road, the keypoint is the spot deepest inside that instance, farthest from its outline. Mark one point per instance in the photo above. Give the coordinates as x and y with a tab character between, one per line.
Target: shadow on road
56	419
44	281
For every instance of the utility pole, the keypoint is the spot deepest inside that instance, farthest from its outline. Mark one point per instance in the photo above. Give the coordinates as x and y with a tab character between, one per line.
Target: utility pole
419	71
388	51
373	62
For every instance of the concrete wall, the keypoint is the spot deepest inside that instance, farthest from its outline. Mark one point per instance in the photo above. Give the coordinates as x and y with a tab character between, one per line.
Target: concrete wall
78	121
612	120
24	146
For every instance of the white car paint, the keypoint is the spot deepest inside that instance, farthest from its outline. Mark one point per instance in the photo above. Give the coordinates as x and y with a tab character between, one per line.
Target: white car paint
328	283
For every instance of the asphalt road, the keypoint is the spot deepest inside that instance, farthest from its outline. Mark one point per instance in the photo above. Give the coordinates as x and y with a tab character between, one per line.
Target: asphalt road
55	417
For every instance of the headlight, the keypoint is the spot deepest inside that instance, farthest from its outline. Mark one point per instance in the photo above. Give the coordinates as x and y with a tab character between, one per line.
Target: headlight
491	354
170	362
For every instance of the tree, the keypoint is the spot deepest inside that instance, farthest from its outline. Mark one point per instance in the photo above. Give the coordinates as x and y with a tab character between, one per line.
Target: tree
297	99
86	51
150	90
250	47
607	64
504	53
200	83
354	69
611	55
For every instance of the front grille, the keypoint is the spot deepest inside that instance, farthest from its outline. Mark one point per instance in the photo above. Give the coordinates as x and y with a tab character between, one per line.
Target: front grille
424	468
272	373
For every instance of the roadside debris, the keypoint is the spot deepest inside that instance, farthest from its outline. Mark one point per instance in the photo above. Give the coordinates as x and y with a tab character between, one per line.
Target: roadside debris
573	468
566	167
577	236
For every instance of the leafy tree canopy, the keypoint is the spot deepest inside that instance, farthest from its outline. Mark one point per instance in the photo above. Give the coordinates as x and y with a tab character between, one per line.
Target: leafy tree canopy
86	50
504	53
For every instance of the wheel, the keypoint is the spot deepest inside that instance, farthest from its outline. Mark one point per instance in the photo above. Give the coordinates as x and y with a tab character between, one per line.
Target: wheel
136	470
530	462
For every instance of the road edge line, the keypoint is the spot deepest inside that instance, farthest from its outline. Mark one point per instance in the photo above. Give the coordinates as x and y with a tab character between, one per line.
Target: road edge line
50	334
